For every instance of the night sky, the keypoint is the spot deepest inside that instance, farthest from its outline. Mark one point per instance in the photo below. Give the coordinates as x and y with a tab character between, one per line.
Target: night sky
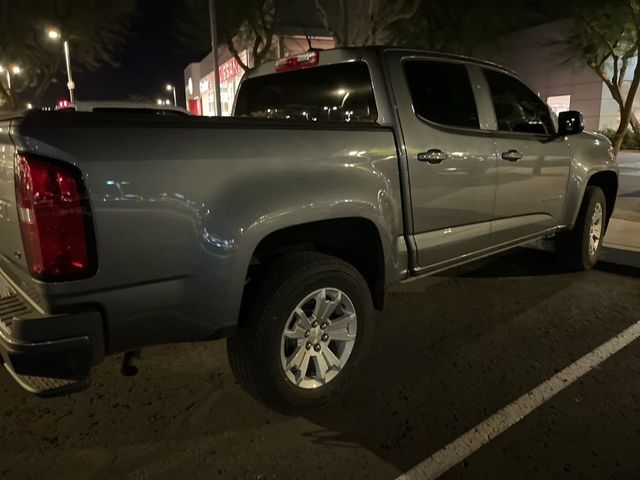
151	58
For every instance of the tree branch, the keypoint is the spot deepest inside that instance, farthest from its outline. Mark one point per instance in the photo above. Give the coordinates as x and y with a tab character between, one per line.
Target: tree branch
403	16
324	18
627	111
234	51
613	87
600	35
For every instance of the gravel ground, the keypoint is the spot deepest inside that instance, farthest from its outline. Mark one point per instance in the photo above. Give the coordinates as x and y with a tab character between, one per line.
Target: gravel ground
449	351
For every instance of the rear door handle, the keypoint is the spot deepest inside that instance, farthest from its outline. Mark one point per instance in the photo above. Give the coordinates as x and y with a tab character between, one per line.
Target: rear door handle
433	156
512	155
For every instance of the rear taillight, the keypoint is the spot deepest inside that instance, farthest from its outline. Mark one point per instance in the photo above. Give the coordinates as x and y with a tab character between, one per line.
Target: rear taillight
298	62
55	219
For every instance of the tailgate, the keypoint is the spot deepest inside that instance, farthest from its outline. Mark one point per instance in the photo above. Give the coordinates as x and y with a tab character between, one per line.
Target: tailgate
12	261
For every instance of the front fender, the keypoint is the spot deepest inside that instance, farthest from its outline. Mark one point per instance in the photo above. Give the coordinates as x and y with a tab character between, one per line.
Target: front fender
591	154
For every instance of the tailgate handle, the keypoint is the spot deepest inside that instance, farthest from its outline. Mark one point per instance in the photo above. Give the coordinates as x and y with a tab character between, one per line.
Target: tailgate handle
433	156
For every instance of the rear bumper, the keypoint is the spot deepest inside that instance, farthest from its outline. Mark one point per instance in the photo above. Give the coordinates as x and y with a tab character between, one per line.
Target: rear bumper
48	355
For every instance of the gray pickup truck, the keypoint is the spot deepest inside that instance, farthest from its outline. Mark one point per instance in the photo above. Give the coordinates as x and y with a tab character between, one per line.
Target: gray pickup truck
341	173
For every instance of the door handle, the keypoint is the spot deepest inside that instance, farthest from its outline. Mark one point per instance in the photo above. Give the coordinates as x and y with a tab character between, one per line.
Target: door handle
512	155
433	156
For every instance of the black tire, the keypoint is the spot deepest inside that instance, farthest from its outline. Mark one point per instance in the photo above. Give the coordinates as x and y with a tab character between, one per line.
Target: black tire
255	350
572	247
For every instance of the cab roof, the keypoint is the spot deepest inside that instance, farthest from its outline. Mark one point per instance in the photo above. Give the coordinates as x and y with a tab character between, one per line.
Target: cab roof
347	54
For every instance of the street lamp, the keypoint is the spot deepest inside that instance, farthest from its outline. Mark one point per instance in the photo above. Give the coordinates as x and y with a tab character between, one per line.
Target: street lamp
213	24
171	88
55	36
16	70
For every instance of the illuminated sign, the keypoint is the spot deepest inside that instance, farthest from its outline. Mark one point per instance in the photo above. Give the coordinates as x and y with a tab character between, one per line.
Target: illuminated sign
229	70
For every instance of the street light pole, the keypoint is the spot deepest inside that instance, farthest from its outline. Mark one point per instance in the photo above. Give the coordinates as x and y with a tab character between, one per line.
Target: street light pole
214	48
16	70
70	85
55	35
171	88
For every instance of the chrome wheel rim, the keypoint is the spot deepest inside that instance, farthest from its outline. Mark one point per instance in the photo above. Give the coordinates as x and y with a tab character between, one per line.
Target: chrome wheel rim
595	230
318	338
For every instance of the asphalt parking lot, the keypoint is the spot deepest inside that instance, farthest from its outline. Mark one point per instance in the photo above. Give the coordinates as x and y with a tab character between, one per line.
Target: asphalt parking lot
449	352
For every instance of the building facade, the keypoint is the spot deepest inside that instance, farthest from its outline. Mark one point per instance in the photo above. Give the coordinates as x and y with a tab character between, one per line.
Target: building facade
536	56
199	80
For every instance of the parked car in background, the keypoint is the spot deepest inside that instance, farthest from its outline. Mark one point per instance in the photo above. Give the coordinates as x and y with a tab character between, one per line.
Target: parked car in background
343	172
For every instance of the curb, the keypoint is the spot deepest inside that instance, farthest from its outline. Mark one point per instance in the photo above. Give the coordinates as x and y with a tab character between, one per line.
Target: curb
619	256
612	255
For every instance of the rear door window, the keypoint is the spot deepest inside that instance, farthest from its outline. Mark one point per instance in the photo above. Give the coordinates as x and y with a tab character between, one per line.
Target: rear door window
334	93
441	92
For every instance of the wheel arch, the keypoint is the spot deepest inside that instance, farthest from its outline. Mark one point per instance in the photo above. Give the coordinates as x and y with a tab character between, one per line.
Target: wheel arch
607	181
605	178
356	240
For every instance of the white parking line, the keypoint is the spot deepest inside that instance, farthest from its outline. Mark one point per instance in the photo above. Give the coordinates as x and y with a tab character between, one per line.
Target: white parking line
461	448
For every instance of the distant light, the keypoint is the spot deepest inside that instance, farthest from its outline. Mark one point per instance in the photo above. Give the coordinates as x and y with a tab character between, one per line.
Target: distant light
29	106
342	91
16	70
53	34
167	102
169	87
160	101
64	104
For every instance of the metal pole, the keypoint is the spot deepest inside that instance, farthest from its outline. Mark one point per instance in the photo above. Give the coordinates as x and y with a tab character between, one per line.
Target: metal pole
8	81
175	98
70	85
214	48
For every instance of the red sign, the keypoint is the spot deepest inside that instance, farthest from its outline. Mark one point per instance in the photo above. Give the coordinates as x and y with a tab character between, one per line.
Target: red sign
195	106
229	70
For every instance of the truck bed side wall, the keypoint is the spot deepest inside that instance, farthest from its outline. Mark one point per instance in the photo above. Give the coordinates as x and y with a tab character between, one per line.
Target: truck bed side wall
179	211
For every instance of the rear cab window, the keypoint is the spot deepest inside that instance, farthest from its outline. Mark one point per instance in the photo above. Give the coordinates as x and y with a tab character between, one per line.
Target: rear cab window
332	93
441	93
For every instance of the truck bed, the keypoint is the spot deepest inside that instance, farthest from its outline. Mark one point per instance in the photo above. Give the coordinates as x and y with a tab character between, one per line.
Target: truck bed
176	201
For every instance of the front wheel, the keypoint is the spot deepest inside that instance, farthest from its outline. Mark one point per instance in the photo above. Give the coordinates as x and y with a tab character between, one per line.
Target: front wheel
310	327
579	249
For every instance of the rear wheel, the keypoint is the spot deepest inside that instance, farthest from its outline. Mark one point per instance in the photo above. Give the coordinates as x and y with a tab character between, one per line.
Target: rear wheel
310	327
579	249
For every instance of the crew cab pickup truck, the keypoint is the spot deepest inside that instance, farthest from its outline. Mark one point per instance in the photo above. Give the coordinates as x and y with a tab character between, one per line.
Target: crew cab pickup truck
342	172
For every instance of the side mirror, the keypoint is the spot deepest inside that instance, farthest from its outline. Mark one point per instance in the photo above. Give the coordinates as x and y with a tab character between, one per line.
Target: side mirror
570	123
